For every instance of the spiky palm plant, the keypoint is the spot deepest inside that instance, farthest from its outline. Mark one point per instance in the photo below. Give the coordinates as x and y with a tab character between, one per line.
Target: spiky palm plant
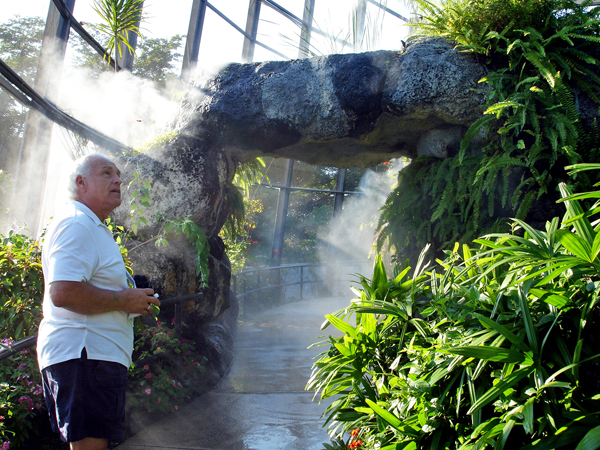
119	18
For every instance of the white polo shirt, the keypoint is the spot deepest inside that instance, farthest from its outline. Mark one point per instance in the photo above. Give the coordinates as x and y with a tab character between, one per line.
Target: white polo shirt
79	247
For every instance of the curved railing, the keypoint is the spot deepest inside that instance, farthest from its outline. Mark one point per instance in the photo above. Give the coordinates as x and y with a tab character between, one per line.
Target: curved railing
265	287
276	285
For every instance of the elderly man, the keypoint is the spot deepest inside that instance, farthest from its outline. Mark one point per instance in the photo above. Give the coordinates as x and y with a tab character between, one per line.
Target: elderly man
85	340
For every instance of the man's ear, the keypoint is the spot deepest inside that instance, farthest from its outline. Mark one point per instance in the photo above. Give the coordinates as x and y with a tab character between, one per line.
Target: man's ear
80	181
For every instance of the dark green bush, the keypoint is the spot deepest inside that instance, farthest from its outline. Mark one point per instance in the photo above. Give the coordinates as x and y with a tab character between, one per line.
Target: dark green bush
495	347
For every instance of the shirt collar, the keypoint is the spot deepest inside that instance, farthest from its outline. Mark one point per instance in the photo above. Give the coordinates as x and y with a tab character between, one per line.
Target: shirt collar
88	212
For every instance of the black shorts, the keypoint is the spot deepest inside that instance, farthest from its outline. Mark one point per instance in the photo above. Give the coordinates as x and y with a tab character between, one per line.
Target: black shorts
86	398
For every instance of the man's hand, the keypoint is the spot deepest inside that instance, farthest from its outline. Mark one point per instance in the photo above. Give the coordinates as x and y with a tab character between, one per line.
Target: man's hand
83	298
136	301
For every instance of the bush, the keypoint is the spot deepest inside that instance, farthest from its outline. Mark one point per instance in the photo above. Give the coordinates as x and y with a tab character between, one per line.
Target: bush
22	286
20	313
497	346
167	371
21	396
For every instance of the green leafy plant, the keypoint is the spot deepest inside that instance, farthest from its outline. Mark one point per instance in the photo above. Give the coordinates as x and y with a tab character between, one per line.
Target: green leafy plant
21	397
22	286
158	141
120	17
197	238
494	347
140	193
541	55
242	209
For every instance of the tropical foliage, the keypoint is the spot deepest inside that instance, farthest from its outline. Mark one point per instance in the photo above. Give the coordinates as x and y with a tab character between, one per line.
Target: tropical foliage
496	346
541	55
119	18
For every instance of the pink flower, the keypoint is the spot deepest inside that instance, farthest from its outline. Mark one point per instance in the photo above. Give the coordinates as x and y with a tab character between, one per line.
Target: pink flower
38	406
176	407
148	391
148	375
28	401
169	332
6	445
146	367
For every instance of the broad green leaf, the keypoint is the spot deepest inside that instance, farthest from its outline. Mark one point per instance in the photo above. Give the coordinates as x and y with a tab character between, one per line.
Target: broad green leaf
528	416
401	446
575	244
392	420
497	354
344	327
344	350
582	226
551	298
509	335
530	329
500	387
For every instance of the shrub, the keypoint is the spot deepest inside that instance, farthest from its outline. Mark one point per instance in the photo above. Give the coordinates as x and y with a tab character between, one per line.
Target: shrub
21	396
167	371
497	346
22	285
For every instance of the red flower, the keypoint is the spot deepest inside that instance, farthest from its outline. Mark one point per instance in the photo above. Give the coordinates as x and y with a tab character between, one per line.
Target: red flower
148	375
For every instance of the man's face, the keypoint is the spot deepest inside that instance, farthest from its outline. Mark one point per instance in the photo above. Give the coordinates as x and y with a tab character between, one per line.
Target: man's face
101	190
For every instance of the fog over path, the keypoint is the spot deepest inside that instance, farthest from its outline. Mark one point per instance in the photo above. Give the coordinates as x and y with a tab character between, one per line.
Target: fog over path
261	404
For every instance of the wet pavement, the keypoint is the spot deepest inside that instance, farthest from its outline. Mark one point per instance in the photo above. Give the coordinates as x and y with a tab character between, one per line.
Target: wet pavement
261	404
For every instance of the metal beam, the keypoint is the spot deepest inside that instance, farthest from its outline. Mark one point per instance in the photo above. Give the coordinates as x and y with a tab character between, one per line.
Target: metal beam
87	37
31	172
305	34
339	196
282	207
194	36
359	25
251	31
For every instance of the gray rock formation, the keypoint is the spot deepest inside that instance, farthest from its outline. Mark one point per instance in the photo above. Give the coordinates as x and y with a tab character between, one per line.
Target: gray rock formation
352	110
341	110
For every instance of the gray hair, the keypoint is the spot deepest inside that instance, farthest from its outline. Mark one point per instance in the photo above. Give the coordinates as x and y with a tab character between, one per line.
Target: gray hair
83	167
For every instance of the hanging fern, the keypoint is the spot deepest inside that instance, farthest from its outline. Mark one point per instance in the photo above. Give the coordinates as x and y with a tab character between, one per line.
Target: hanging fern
542	55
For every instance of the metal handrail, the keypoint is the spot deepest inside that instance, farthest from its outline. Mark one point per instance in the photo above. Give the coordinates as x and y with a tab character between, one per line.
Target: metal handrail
301	282
177	301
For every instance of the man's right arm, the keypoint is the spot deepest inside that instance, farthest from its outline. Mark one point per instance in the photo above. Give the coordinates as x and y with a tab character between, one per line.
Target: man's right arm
84	298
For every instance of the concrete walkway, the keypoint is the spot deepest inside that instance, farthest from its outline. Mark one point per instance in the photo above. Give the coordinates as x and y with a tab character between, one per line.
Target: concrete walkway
261	404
